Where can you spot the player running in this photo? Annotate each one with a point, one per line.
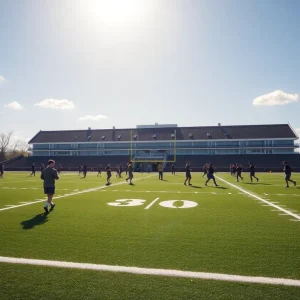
(288, 173)
(49, 175)
(210, 174)
(32, 169)
(252, 172)
(130, 173)
(239, 170)
(188, 173)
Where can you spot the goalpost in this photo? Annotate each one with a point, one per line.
(150, 155)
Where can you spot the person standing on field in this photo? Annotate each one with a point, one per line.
(49, 175)
(160, 171)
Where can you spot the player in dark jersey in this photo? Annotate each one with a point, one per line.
(99, 170)
(32, 169)
(108, 173)
(130, 173)
(210, 174)
(204, 170)
(188, 175)
(233, 170)
(288, 173)
(49, 176)
(160, 171)
(79, 169)
(252, 172)
(239, 170)
(1, 170)
(121, 169)
(173, 169)
(84, 170)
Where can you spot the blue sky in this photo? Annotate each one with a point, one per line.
(68, 64)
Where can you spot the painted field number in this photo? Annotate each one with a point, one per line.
(167, 203)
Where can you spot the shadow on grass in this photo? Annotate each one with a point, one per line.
(195, 187)
(36, 220)
(221, 187)
(257, 183)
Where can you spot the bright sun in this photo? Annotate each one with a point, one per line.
(114, 11)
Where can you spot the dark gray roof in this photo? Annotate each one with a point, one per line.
(182, 133)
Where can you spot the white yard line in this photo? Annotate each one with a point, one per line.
(147, 207)
(153, 272)
(261, 199)
(71, 194)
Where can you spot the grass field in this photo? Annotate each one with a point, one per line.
(244, 229)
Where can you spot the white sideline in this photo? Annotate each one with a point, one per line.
(71, 194)
(149, 271)
(261, 199)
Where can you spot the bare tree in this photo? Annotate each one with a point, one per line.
(4, 144)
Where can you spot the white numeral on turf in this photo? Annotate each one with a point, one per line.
(185, 204)
(127, 202)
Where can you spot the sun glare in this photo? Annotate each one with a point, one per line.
(114, 11)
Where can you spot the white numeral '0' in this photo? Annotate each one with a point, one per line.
(185, 204)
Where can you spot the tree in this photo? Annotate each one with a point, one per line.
(9, 149)
(4, 144)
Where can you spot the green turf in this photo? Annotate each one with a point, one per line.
(227, 232)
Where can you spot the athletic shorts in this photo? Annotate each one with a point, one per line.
(49, 190)
(252, 173)
(130, 174)
(287, 176)
(188, 175)
(210, 176)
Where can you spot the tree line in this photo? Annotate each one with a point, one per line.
(10, 148)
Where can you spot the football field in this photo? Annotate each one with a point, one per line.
(153, 240)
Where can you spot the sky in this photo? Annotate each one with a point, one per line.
(74, 64)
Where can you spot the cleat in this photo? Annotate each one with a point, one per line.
(206, 184)
(217, 185)
(295, 183)
(286, 186)
(52, 206)
(46, 210)
(257, 179)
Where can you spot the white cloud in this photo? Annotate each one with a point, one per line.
(2, 78)
(275, 98)
(14, 105)
(92, 118)
(62, 104)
